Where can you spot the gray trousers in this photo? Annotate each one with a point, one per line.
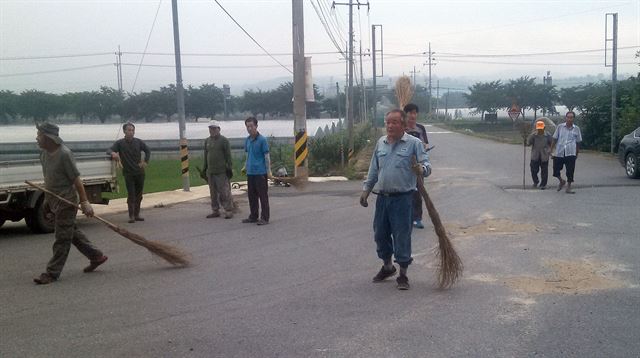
(66, 233)
(220, 192)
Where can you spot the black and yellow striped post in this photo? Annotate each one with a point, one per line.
(184, 157)
(301, 152)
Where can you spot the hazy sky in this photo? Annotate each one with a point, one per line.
(86, 27)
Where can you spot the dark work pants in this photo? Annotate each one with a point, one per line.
(392, 228)
(135, 186)
(417, 206)
(568, 162)
(257, 189)
(66, 234)
(543, 167)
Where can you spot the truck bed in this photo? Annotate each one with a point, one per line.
(94, 169)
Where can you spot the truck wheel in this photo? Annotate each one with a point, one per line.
(36, 220)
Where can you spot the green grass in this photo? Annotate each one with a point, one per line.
(165, 175)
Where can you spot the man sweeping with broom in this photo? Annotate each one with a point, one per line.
(61, 177)
(394, 173)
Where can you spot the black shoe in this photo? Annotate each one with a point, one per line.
(403, 282)
(543, 187)
(262, 222)
(249, 221)
(139, 218)
(535, 185)
(384, 274)
(93, 264)
(213, 215)
(44, 279)
(131, 220)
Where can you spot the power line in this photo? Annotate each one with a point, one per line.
(251, 37)
(533, 63)
(55, 56)
(228, 54)
(146, 46)
(327, 29)
(449, 54)
(56, 71)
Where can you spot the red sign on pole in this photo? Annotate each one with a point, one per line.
(514, 112)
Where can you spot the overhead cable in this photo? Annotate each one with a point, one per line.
(251, 37)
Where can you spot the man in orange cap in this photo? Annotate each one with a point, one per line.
(540, 143)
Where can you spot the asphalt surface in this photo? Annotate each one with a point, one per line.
(547, 274)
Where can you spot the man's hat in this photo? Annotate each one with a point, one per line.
(539, 125)
(214, 123)
(50, 130)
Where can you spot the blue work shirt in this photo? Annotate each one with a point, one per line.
(390, 168)
(256, 148)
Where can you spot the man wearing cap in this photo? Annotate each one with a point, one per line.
(540, 143)
(566, 138)
(218, 169)
(128, 152)
(61, 177)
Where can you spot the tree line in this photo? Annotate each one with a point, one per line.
(206, 100)
(592, 100)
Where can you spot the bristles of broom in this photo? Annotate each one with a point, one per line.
(450, 266)
(171, 254)
(404, 91)
(299, 182)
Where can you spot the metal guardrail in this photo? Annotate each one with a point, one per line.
(30, 150)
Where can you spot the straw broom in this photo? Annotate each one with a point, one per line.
(450, 266)
(171, 254)
(299, 182)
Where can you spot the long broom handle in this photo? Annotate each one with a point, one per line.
(431, 209)
(68, 202)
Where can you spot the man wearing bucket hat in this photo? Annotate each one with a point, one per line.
(540, 143)
(128, 152)
(218, 169)
(61, 176)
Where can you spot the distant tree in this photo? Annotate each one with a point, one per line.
(107, 102)
(521, 92)
(204, 101)
(39, 105)
(486, 97)
(8, 106)
(543, 97)
(255, 102)
(572, 97)
(331, 105)
(82, 104)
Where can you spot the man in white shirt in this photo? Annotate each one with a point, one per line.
(566, 139)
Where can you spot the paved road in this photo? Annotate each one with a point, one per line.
(547, 274)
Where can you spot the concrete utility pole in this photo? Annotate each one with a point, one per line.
(299, 103)
(119, 69)
(341, 135)
(429, 99)
(375, 76)
(349, 109)
(363, 93)
(413, 75)
(614, 73)
(184, 151)
(437, 97)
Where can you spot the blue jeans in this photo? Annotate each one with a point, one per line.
(392, 225)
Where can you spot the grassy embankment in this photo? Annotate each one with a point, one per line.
(164, 175)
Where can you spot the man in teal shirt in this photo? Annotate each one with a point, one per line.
(258, 170)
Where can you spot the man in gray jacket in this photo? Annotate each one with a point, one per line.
(540, 143)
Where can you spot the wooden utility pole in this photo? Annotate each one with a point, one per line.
(299, 104)
(184, 150)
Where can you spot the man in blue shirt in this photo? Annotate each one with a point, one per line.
(398, 160)
(258, 170)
